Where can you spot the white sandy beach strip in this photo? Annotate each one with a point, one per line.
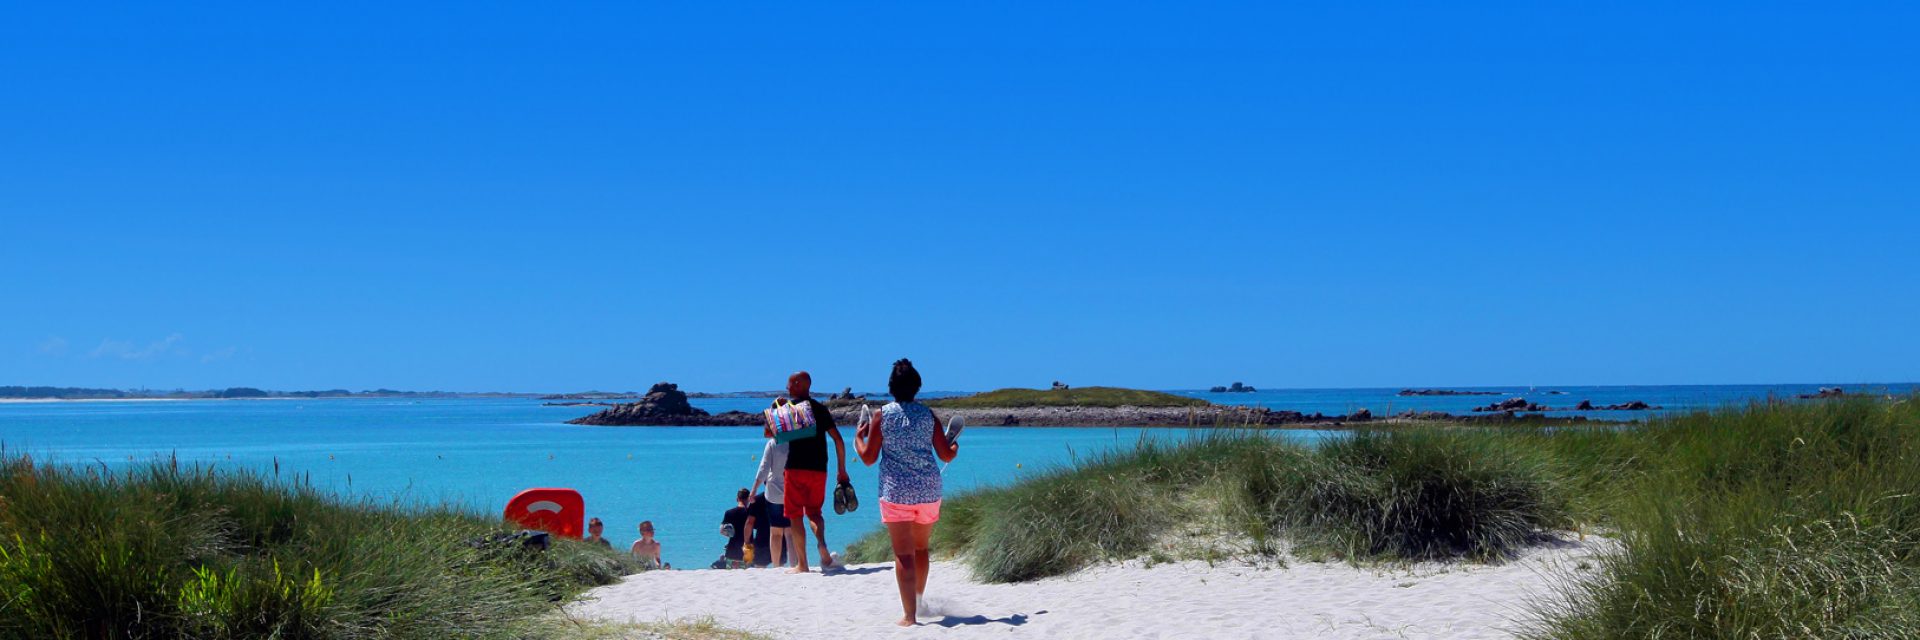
(1176, 600)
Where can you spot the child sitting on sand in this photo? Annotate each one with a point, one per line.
(646, 549)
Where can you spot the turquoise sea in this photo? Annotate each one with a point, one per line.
(479, 452)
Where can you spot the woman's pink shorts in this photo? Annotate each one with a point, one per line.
(928, 513)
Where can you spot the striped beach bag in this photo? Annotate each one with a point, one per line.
(791, 420)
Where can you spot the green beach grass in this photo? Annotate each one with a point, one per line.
(164, 551)
(1376, 495)
(1081, 397)
(1771, 520)
(1784, 520)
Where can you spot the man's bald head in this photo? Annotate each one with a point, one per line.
(799, 385)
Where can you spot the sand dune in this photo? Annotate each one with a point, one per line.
(1129, 600)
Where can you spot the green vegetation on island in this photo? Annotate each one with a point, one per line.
(162, 551)
(1773, 520)
(1077, 397)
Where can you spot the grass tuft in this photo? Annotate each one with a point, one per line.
(1385, 495)
(1776, 520)
(164, 551)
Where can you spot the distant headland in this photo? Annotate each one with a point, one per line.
(1060, 406)
(230, 393)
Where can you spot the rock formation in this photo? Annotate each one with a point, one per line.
(1515, 403)
(664, 405)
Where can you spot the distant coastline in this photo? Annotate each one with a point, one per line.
(665, 405)
(52, 394)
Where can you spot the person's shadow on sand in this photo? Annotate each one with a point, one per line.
(856, 572)
(1011, 621)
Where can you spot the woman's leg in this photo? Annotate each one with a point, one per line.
(904, 562)
(922, 556)
(777, 546)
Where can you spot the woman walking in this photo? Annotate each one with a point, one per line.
(905, 438)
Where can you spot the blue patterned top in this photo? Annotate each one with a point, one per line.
(909, 473)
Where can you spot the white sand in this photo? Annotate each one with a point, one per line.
(1177, 600)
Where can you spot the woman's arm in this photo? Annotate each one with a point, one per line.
(942, 447)
(867, 440)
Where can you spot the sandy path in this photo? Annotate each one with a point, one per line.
(1178, 600)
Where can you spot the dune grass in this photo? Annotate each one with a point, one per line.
(1080, 397)
(1784, 520)
(1766, 521)
(1375, 495)
(164, 551)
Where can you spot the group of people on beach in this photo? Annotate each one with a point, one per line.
(904, 437)
(768, 528)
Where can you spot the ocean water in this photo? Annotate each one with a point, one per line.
(1683, 398)
(479, 452)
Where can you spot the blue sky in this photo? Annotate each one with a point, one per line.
(513, 197)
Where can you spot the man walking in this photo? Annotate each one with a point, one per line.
(806, 475)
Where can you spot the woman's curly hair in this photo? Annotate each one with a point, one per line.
(904, 384)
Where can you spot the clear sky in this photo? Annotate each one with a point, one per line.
(521, 196)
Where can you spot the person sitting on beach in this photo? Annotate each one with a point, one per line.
(905, 437)
(594, 529)
(733, 525)
(646, 549)
(806, 475)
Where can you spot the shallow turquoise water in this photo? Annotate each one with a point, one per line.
(479, 453)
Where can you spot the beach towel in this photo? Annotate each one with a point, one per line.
(791, 421)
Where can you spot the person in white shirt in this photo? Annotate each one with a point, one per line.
(773, 466)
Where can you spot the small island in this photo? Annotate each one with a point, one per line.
(1445, 392)
(1236, 388)
(666, 405)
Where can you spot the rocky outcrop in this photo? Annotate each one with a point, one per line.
(1445, 392)
(664, 405)
(1060, 386)
(1236, 388)
(1522, 404)
(1515, 403)
(1824, 393)
(1502, 417)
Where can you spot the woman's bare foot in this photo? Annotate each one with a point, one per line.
(796, 570)
(907, 622)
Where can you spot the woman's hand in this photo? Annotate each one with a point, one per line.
(867, 439)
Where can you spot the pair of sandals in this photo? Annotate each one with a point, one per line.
(844, 501)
